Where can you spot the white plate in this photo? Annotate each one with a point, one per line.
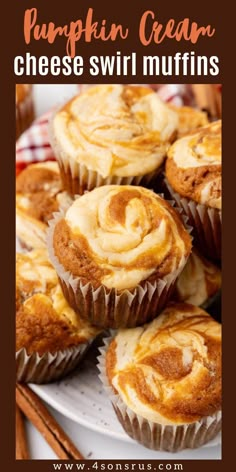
(80, 397)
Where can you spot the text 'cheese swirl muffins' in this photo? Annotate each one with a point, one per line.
(118, 251)
(194, 180)
(24, 107)
(112, 134)
(38, 195)
(164, 379)
(50, 337)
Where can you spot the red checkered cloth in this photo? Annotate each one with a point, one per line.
(33, 145)
(177, 94)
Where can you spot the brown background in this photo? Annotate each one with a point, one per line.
(12, 44)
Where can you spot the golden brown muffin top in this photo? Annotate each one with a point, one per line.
(119, 236)
(169, 371)
(193, 166)
(189, 119)
(37, 187)
(38, 195)
(115, 129)
(199, 280)
(44, 320)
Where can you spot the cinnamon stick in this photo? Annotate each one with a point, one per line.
(38, 414)
(21, 442)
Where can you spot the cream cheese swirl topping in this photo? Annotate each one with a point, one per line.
(38, 286)
(35, 269)
(128, 233)
(115, 130)
(193, 167)
(169, 371)
(201, 148)
(199, 280)
(189, 119)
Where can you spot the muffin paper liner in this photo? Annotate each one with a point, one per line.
(206, 223)
(77, 178)
(48, 367)
(171, 438)
(107, 308)
(24, 114)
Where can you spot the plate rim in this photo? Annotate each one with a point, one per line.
(122, 436)
(83, 422)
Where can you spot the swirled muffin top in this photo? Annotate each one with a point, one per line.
(119, 236)
(169, 371)
(22, 90)
(193, 166)
(199, 280)
(117, 130)
(190, 119)
(44, 320)
(38, 195)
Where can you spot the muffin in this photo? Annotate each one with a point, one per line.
(199, 282)
(190, 119)
(193, 177)
(50, 337)
(38, 195)
(112, 134)
(117, 251)
(164, 379)
(24, 108)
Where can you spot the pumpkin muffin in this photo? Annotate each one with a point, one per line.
(164, 379)
(118, 251)
(199, 282)
(50, 337)
(190, 119)
(38, 195)
(24, 108)
(112, 134)
(193, 175)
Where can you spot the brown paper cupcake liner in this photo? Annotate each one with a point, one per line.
(171, 438)
(206, 223)
(107, 308)
(77, 178)
(48, 367)
(24, 114)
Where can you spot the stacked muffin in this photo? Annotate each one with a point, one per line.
(24, 108)
(164, 379)
(193, 177)
(121, 253)
(50, 337)
(112, 134)
(38, 195)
